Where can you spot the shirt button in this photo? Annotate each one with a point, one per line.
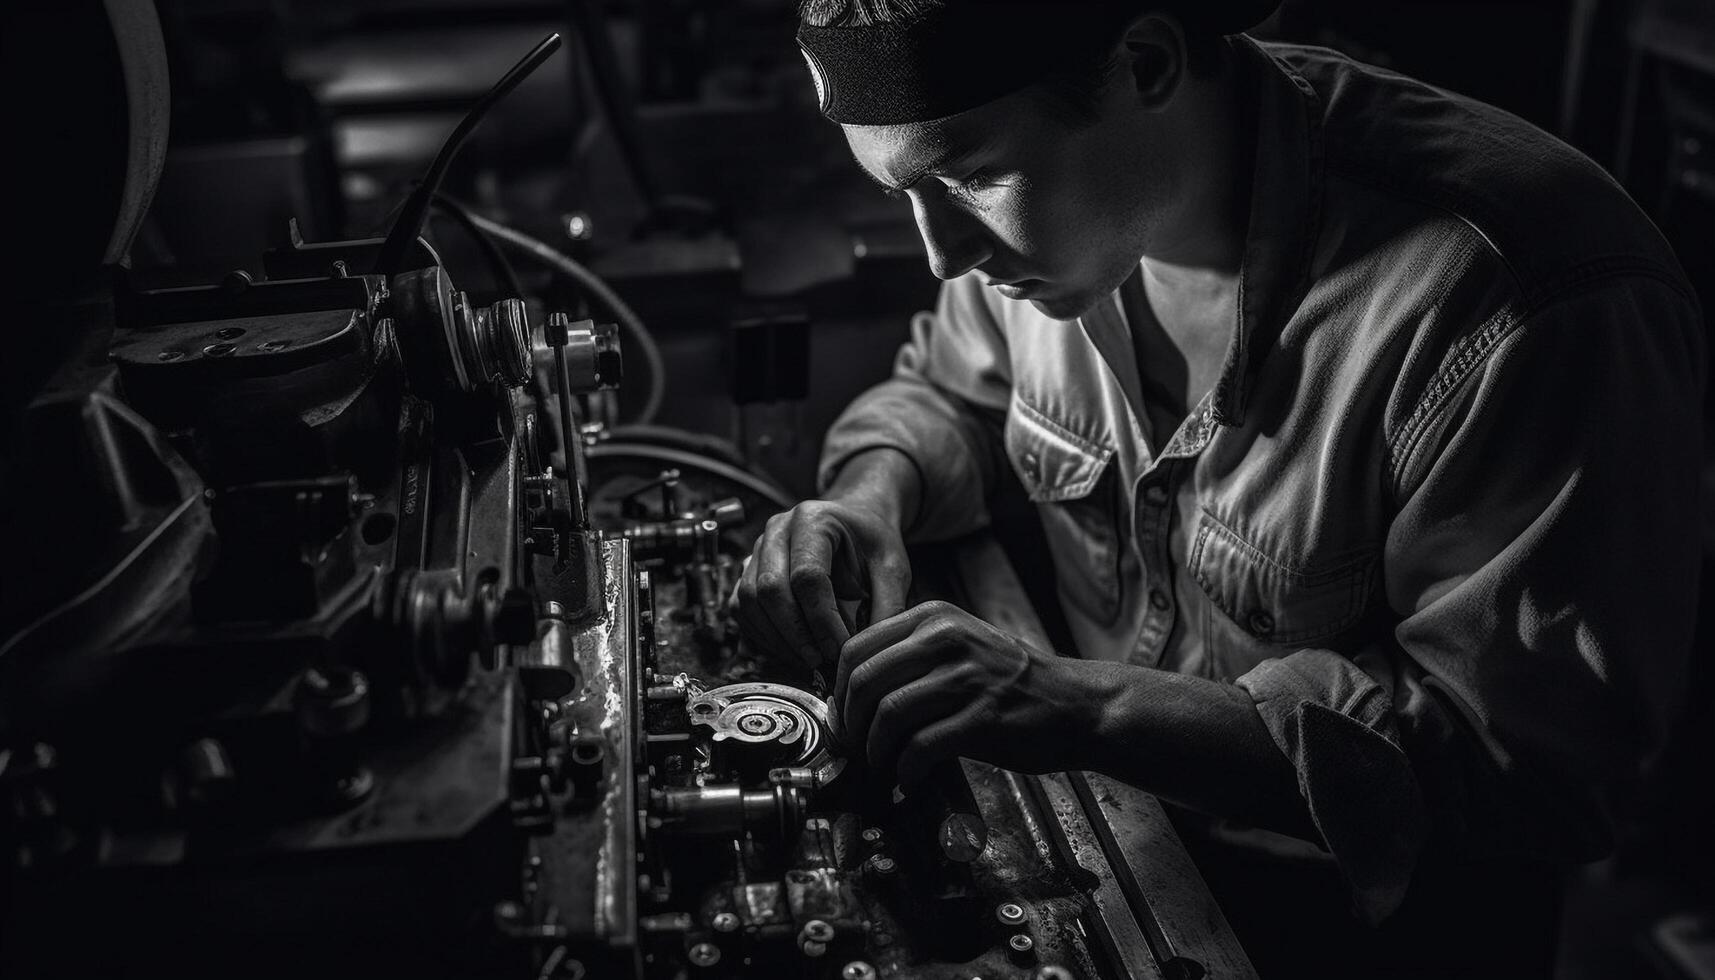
(1158, 599)
(1156, 495)
(1262, 624)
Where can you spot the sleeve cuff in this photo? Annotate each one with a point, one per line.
(1333, 722)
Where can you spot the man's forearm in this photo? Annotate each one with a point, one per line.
(1197, 742)
(883, 480)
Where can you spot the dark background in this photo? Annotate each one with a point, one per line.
(675, 147)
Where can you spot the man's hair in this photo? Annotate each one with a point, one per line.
(1078, 86)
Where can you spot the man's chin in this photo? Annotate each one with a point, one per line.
(1062, 307)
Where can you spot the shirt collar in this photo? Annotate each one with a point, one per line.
(1285, 210)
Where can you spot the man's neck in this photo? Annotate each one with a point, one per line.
(1206, 233)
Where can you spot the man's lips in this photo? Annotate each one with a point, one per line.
(1014, 288)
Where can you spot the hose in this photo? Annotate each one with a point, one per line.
(761, 486)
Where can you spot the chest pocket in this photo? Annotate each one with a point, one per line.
(1076, 494)
(1269, 602)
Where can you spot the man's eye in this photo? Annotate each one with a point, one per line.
(976, 180)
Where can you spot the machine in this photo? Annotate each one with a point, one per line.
(338, 641)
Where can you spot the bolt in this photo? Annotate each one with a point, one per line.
(883, 865)
(1010, 914)
(339, 270)
(871, 835)
(578, 227)
(725, 922)
(857, 970)
(704, 954)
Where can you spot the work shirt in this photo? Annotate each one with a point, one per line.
(1438, 514)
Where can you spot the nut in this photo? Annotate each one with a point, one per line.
(704, 954)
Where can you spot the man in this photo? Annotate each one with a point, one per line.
(1362, 420)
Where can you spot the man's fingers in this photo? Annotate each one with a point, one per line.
(773, 566)
(881, 674)
(935, 743)
(813, 550)
(900, 715)
(878, 637)
(751, 619)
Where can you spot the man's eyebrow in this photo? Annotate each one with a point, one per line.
(941, 161)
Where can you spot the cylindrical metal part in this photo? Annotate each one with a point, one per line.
(1021, 948)
(725, 809)
(507, 329)
(946, 798)
(205, 773)
(548, 667)
(332, 701)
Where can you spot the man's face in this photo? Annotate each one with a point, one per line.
(1041, 209)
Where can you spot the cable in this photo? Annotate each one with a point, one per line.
(410, 221)
(628, 319)
(505, 276)
(761, 486)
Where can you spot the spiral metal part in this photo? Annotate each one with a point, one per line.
(762, 727)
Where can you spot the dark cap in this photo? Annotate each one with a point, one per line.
(964, 53)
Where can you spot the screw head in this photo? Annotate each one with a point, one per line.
(1010, 913)
(270, 346)
(818, 931)
(857, 970)
(884, 865)
(219, 350)
(871, 834)
(1021, 943)
(725, 922)
(170, 355)
(704, 954)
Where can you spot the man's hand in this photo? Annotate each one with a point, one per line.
(808, 559)
(935, 682)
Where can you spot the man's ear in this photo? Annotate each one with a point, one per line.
(1156, 55)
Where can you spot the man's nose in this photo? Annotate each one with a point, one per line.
(954, 240)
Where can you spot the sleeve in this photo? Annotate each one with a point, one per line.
(943, 408)
(1542, 570)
